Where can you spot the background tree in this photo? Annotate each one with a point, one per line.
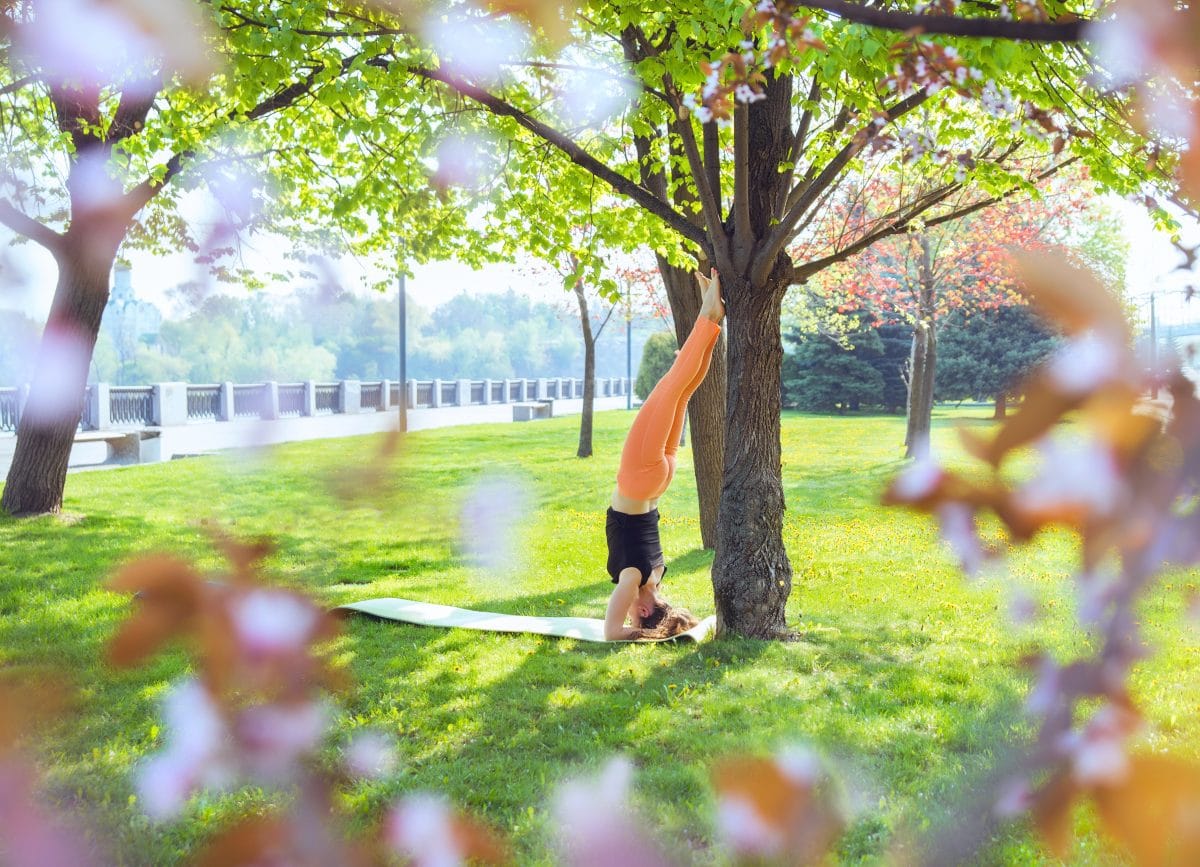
(737, 197)
(237, 98)
(657, 357)
(916, 279)
(988, 353)
(823, 375)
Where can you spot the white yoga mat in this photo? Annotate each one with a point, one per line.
(430, 614)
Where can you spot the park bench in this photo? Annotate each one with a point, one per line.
(125, 447)
(533, 410)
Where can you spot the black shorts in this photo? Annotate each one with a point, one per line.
(633, 541)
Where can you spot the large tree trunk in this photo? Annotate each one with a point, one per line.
(706, 409)
(589, 374)
(1001, 410)
(752, 577)
(38, 473)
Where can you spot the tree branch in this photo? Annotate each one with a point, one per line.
(138, 197)
(901, 225)
(25, 225)
(708, 204)
(572, 151)
(782, 232)
(133, 108)
(743, 233)
(712, 158)
(13, 87)
(951, 25)
(799, 141)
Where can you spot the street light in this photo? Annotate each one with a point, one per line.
(403, 352)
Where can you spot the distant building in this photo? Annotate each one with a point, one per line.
(126, 319)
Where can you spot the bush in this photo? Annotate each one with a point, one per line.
(657, 357)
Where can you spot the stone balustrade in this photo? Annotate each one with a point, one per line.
(164, 404)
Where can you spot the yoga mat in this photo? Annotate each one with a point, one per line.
(430, 614)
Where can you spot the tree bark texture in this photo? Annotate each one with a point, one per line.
(752, 577)
(589, 374)
(46, 431)
(706, 409)
(1001, 410)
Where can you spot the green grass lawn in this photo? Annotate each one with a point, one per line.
(903, 674)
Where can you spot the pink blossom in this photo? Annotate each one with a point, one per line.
(272, 621)
(421, 828)
(371, 755)
(1014, 799)
(1097, 753)
(1084, 364)
(745, 831)
(31, 836)
(918, 479)
(461, 161)
(597, 828)
(164, 783)
(58, 385)
(591, 97)
(275, 736)
(1074, 473)
(488, 522)
(1123, 47)
(1047, 690)
(477, 47)
(960, 533)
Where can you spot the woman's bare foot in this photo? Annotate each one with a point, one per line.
(711, 307)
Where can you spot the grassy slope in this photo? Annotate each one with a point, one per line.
(903, 673)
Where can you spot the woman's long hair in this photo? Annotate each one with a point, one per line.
(666, 621)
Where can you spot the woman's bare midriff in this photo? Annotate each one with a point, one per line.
(629, 506)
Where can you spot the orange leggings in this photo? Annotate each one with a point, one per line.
(648, 458)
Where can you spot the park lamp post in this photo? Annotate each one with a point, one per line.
(629, 345)
(403, 352)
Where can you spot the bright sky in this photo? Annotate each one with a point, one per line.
(27, 273)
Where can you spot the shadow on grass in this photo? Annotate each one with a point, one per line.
(695, 560)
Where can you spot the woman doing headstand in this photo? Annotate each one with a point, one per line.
(635, 555)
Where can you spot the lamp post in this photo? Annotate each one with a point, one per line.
(403, 360)
(629, 347)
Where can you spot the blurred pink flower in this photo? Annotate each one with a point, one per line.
(597, 827)
(273, 621)
(274, 737)
(57, 392)
(1084, 363)
(421, 828)
(370, 755)
(461, 161)
(477, 47)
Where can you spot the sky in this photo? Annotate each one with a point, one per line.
(27, 273)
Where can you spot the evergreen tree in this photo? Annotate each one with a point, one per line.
(987, 353)
(657, 357)
(823, 375)
(892, 362)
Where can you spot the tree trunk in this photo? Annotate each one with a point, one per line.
(752, 577)
(706, 409)
(589, 374)
(38, 473)
(1001, 405)
(923, 363)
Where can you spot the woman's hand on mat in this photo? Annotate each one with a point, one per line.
(711, 307)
